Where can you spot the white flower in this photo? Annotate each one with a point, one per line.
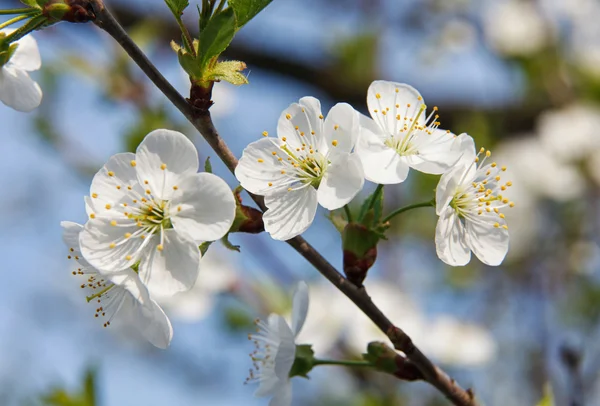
(123, 292)
(153, 207)
(276, 351)
(515, 27)
(401, 136)
(17, 89)
(217, 276)
(468, 203)
(571, 133)
(311, 161)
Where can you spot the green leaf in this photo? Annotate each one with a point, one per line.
(229, 71)
(246, 10)
(208, 165)
(177, 6)
(31, 3)
(204, 247)
(216, 36)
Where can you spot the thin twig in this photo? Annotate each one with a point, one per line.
(203, 123)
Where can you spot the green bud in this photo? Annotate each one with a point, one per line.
(57, 11)
(304, 361)
(387, 360)
(359, 244)
(229, 71)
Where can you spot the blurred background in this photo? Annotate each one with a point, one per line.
(521, 76)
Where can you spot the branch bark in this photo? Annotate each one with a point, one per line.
(203, 123)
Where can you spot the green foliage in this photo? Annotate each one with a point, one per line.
(229, 71)
(304, 362)
(246, 10)
(177, 6)
(33, 3)
(216, 36)
(371, 210)
(208, 165)
(86, 396)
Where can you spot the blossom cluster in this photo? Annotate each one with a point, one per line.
(317, 160)
(149, 212)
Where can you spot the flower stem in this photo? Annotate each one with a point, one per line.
(342, 363)
(28, 10)
(348, 214)
(376, 194)
(406, 208)
(32, 25)
(13, 21)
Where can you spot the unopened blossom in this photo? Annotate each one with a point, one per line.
(153, 208)
(401, 135)
(275, 351)
(469, 200)
(120, 293)
(310, 162)
(17, 89)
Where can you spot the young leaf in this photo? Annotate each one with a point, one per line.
(207, 165)
(216, 36)
(177, 6)
(246, 10)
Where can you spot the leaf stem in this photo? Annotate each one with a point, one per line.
(348, 213)
(342, 363)
(28, 10)
(13, 21)
(30, 26)
(406, 208)
(375, 196)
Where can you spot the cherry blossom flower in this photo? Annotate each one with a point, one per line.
(311, 162)
(121, 292)
(152, 207)
(401, 136)
(276, 350)
(468, 202)
(17, 89)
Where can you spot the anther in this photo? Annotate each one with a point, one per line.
(163, 166)
(288, 116)
(112, 245)
(111, 173)
(94, 195)
(133, 163)
(261, 160)
(265, 134)
(113, 223)
(108, 206)
(160, 247)
(334, 143)
(92, 216)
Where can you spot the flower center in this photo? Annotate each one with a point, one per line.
(403, 125)
(152, 216)
(482, 199)
(266, 344)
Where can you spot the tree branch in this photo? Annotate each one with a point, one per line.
(203, 123)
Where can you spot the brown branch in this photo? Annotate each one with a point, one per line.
(203, 123)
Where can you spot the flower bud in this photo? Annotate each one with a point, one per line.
(360, 251)
(247, 219)
(73, 11)
(385, 359)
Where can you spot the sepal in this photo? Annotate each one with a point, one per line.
(304, 361)
(386, 360)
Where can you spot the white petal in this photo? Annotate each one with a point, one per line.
(170, 150)
(394, 99)
(18, 90)
(312, 110)
(449, 183)
(343, 180)
(489, 243)
(70, 234)
(97, 239)
(115, 185)
(172, 270)
(286, 352)
(299, 307)
(381, 164)
(27, 55)
(290, 213)
(283, 396)
(341, 128)
(297, 124)
(437, 152)
(144, 313)
(268, 385)
(450, 239)
(254, 175)
(203, 207)
(467, 148)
